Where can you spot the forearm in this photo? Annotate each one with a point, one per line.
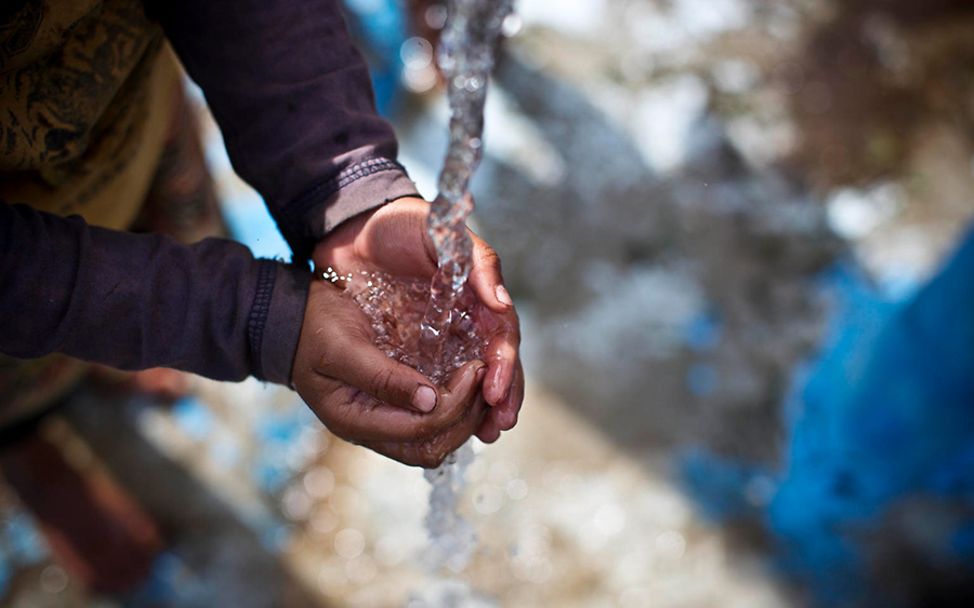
(293, 98)
(137, 301)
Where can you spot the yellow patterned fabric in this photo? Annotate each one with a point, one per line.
(87, 90)
(83, 117)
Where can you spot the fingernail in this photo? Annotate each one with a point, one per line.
(424, 399)
(502, 296)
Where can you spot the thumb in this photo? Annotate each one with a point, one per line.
(464, 384)
(363, 366)
(486, 278)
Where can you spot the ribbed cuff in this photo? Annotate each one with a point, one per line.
(369, 189)
(363, 186)
(276, 320)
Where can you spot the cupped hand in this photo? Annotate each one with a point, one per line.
(369, 399)
(393, 239)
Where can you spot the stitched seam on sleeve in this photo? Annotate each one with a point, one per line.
(258, 314)
(323, 190)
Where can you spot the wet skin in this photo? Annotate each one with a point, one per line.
(366, 398)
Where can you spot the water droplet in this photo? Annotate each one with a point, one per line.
(670, 544)
(512, 25)
(324, 520)
(296, 504)
(319, 482)
(416, 53)
(435, 16)
(517, 489)
(489, 499)
(54, 579)
(361, 570)
(349, 543)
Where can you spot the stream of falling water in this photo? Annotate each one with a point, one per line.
(466, 57)
(428, 325)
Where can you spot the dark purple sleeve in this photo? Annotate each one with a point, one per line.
(293, 98)
(136, 301)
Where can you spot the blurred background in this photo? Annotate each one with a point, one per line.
(736, 232)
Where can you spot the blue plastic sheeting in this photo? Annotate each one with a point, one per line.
(193, 417)
(380, 27)
(20, 545)
(880, 457)
(171, 583)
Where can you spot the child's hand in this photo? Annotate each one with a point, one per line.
(367, 398)
(393, 240)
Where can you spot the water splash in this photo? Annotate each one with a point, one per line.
(429, 326)
(395, 308)
(452, 537)
(466, 57)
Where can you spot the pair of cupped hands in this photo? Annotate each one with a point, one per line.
(363, 396)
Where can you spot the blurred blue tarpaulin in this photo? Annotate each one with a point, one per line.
(879, 465)
(380, 26)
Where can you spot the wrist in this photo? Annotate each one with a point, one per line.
(360, 188)
(276, 320)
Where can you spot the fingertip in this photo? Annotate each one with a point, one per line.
(515, 396)
(461, 385)
(498, 384)
(507, 419)
(487, 279)
(424, 399)
(362, 365)
(488, 433)
(503, 296)
(491, 292)
(490, 386)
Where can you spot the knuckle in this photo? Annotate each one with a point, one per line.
(428, 455)
(329, 356)
(490, 258)
(432, 460)
(383, 382)
(426, 429)
(441, 446)
(413, 455)
(408, 458)
(339, 418)
(339, 428)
